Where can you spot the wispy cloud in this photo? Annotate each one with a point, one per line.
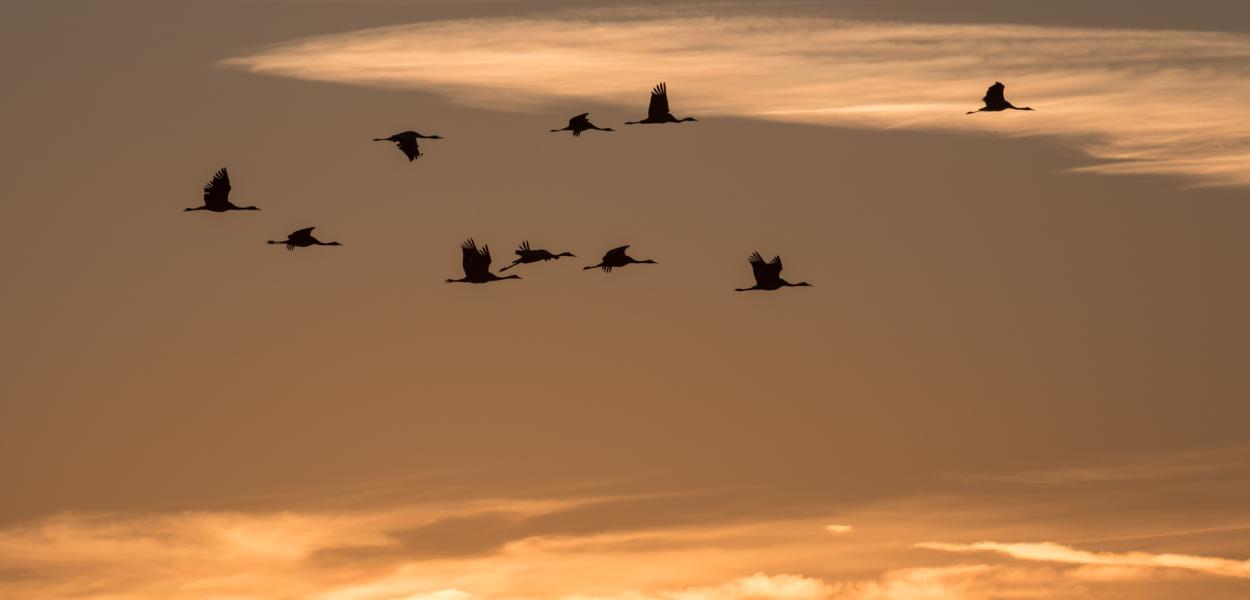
(1142, 102)
(1050, 552)
(281, 555)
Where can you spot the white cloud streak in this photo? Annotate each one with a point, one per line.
(1050, 552)
(1139, 102)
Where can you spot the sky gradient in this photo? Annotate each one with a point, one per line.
(1019, 372)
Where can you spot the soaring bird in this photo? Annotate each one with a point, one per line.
(407, 143)
(302, 238)
(616, 257)
(768, 275)
(217, 195)
(581, 123)
(476, 265)
(531, 256)
(657, 112)
(995, 102)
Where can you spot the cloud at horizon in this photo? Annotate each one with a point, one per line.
(242, 555)
(1138, 102)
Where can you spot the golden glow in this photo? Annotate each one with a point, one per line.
(1160, 102)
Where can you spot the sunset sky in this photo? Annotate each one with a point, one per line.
(1020, 371)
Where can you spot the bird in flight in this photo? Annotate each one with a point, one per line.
(995, 101)
(616, 257)
(302, 238)
(768, 275)
(476, 265)
(581, 123)
(657, 111)
(217, 195)
(407, 143)
(526, 256)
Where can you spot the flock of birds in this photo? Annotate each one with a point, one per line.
(476, 261)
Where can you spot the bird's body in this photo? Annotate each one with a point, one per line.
(406, 141)
(581, 123)
(476, 264)
(526, 255)
(615, 258)
(217, 195)
(657, 110)
(996, 101)
(302, 238)
(768, 275)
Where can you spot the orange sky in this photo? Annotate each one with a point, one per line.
(1019, 372)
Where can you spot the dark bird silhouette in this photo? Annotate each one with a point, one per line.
(616, 257)
(302, 238)
(532, 256)
(217, 195)
(476, 265)
(407, 143)
(657, 111)
(768, 275)
(995, 101)
(581, 123)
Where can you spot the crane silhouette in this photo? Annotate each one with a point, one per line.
(657, 111)
(302, 238)
(616, 257)
(217, 195)
(579, 124)
(476, 265)
(526, 256)
(406, 141)
(995, 101)
(768, 275)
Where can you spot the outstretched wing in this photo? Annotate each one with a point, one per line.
(408, 145)
(774, 267)
(659, 102)
(579, 121)
(523, 248)
(469, 257)
(301, 233)
(217, 191)
(484, 258)
(615, 253)
(759, 268)
(994, 95)
(474, 261)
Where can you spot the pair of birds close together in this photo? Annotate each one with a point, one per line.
(476, 263)
(217, 199)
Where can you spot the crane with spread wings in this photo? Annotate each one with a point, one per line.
(406, 141)
(768, 275)
(476, 264)
(217, 195)
(657, 111)
(995, 101)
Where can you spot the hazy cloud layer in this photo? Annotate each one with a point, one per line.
(183, 556)
(1161, 102)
